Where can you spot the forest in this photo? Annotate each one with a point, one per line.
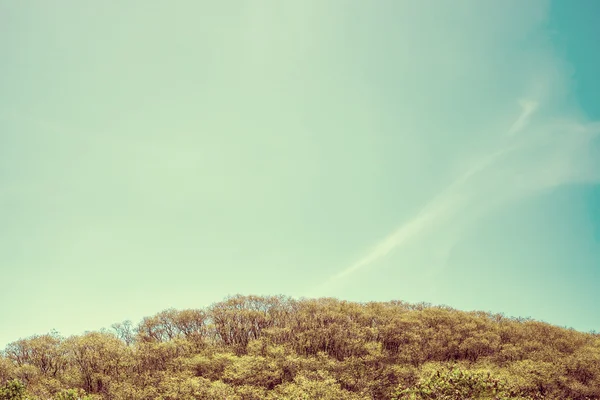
(252, 347)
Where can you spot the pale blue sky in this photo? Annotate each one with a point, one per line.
(170, 153)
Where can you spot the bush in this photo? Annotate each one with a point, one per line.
(13, 390)
(456, 384)
(72, 394)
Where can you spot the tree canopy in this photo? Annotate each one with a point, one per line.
(251, 347)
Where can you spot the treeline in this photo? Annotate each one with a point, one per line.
(250, 348)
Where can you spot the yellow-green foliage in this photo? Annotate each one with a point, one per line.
(250, 348)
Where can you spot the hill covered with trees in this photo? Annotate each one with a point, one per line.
(250, 348)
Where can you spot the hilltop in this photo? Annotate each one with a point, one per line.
(250, 347)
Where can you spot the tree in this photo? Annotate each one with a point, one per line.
(99, 358)
(44, 352)
(125, 331)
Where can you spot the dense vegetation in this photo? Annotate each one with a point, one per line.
(280, 348)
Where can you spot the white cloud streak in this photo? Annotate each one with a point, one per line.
(531, 159)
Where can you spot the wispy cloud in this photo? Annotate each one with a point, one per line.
(529, 158)
(528, 107)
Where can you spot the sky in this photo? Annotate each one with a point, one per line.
(169, 154)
